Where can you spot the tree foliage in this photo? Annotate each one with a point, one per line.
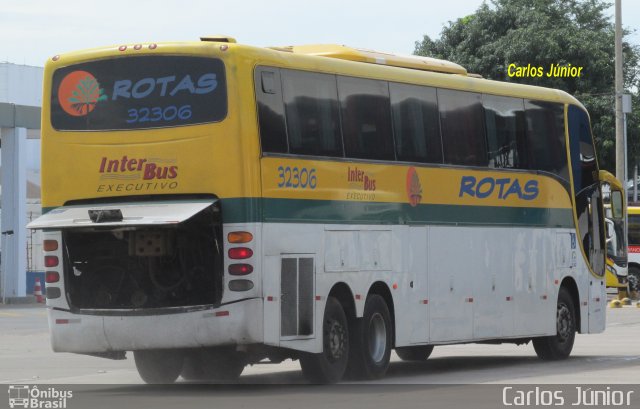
(544, 32)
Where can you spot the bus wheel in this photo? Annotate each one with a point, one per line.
(634, 281)
(213, 364)
(559, 346)
(417, 353)
(329, 365)
(161, 366)
(372, 340)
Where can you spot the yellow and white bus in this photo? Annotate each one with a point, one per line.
(615, 220)
(210, 205)
(634, 249)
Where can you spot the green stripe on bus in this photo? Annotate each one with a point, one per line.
(249, 210)
(348, 212)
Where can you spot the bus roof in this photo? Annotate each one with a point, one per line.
(336, 59)
(376, 57)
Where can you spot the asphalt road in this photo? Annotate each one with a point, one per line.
(610, 358)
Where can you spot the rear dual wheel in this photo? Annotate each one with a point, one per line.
(416, 353)
(372, 340)
(329, 366)
(159, 366)
(361, 347)
(213, 364)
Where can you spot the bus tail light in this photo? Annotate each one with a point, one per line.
(50, 245)
(240, 269)
(52, 277)
(238, 253)
(239, 237)
(51, 261)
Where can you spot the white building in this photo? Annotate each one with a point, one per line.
(20, 102)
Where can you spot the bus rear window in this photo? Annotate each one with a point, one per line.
(138, 92)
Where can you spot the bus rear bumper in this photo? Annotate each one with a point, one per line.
(237, 323)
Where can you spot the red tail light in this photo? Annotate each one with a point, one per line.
(52, 277)
(240, 253)
(51, 261)
(240, 269)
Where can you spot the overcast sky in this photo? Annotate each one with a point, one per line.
(33, 30)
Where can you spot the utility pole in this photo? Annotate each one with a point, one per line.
(620, 148)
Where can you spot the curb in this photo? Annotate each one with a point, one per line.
(29, 299)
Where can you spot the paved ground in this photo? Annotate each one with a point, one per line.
(607, 359)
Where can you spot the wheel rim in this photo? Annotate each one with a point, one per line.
(564, 322)
(377, 337)
(335, 339)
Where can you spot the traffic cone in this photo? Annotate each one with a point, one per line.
(37, 291)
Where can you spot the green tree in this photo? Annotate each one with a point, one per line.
(540, 33)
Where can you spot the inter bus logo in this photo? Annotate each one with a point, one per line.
(79, 93)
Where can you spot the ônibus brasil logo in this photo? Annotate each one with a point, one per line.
(79, 93)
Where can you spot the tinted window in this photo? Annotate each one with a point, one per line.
(415, 123)
(546, 146)
(311, 106)
(634, 229)
(461, 120)
(273, 134)
(504, 119)
(138, 92)
(366, 118)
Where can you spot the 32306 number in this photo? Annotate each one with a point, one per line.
(297, 178)
(157, 114)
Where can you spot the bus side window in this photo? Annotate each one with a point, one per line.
(505, 131)
(311, 106)
(273, 134)
(546, 146)
(634, 230)
(462, 123)
(366, 118)
(415, 123)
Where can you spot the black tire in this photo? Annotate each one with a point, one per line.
(213, 364)
(417, 353)
(559, 346)
(159, 366)
(634, 281)
(329, 366)
(371, 341)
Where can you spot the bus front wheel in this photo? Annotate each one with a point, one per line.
(158, 366)
(329, 366)
(634, 281)
(559, 346)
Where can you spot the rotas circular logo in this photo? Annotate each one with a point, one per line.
(79, 93)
